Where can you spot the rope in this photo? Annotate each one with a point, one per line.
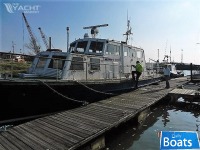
(83, 102)
(94, 89)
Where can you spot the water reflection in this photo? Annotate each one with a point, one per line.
(182, 116)
(165, 117)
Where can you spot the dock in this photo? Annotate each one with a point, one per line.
(187, 94)
(86, 125)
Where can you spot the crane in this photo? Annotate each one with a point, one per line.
(33, 39)
(44, 38)
(94, 30)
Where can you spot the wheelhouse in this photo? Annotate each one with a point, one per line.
(88, 59)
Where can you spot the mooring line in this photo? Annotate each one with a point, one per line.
(22, 119)
(94, 89)
(83, 102)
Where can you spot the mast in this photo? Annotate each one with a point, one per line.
(128, 32)
(181, 55)
(170, 54)
(67, 38)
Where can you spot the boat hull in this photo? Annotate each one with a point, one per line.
(32, 97)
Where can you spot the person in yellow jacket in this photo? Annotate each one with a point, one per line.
(136, 74)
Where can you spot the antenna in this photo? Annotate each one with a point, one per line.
(13, 47)
(128, 32)
(94, 30)
(181, 55)
(170, 54)
(67, 28)
(166, 46)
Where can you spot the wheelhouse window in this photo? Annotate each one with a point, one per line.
(126, 51)
(42, 61)
(133, 53)
(139, 54)
(57, 62)
(95, 64)
(77, 63)
(72, 47)
(81, 46)
(96, 47)
(112, 49)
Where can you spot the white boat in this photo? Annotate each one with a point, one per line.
(89, 58)
(195, 75)
(173, 71)
(158, 67)
(92, 69)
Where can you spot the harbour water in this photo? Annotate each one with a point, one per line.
(181, 116)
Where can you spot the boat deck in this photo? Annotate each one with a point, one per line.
(73, 128)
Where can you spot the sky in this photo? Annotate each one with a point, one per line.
(158, 26)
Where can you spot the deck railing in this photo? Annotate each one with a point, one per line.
(10, 68)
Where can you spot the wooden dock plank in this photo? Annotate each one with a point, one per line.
(99, 109)
(187, 94)
(47, 132)
(108, 111)
(87, 126)
(68, 130)
(42, 143)
(92, 118)
(73, 128)
(25, 139)
(118, 106)
(17, 142)
(122, 109)
(52, 144)
(96, 112)
(1, 147)
(183, 92)
(58, 131)
(95, 116)
(127, 104)
(6, 144)
(86, 120)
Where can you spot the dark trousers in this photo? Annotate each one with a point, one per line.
(167, 81)
(135, 76)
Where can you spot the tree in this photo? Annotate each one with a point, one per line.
(34, 49)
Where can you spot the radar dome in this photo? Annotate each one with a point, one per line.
(86, 35)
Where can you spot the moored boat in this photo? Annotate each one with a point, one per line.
(91, 69)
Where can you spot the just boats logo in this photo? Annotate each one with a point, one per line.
(179, 140)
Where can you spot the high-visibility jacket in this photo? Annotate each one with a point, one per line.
(139, 67)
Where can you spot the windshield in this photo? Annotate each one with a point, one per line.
(96, 47)
(81, 46)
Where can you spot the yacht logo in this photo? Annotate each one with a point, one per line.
(10, 7)
(13, 7)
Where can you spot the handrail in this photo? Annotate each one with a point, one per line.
(109, 69)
